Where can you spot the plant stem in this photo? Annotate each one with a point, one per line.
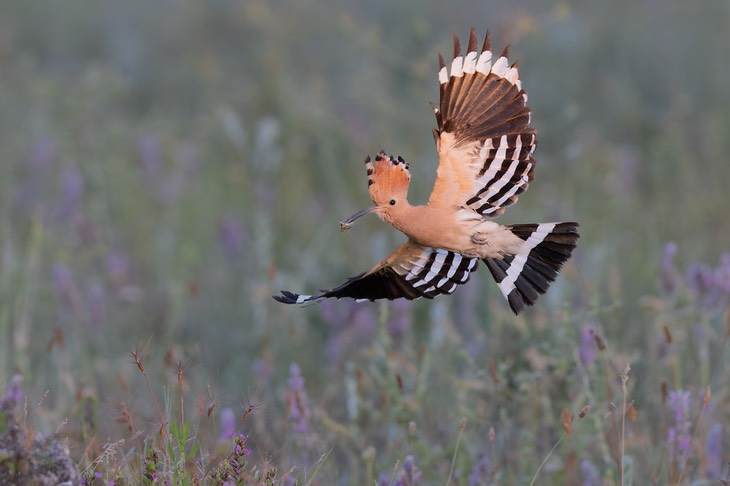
(537, 473)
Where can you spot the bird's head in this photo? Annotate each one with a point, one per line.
(388, 180)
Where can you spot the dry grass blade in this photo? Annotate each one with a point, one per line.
(625, 392)
(462, 426)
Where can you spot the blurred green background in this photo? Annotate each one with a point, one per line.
(165, 167)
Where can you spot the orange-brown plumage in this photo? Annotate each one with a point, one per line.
(485, 147)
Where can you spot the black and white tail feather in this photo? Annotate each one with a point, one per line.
(527, 274)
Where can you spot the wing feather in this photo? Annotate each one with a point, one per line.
(410, 272)
(484, 139)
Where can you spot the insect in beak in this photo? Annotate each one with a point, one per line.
(347, 224)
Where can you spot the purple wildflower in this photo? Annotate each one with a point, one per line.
(298, 401)
(408, 474)
(587, 348)
(14, 393)
(680, 400)
(669, 275)
(589, 472)
(337, 314)
(228, 423)
(151, 463)
(230, 470)
(290, 481)
(87, 480)
(239, 448)
(711, 285)
(117, 267)
(330, 312)
(679, 435)
(713, 448)
(400, 319)
(700, 278)
(482, 472)
(231, 238)
(412, 474)
(363, 321)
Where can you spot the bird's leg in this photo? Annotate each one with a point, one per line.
(480, 238)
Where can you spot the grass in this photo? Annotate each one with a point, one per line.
(165, 171)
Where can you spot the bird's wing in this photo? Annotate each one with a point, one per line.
(484, 140)
(410, 272)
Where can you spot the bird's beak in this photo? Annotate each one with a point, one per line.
(347, 224)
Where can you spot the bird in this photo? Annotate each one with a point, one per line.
(485, 146)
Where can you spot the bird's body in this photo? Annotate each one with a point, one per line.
(455, 229)
(485, 147)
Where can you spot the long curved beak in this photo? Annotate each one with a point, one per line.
(347, 224)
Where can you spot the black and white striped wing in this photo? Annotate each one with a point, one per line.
(410, 272)
(484, 140)
(434, 271)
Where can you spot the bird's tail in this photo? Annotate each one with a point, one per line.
(522, 277)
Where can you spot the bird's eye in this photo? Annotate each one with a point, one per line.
(392, 202)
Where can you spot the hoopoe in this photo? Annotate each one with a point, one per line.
(485, 146)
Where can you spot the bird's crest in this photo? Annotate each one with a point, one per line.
(387, 175)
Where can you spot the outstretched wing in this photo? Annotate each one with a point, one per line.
(484, 140)
(410, 272)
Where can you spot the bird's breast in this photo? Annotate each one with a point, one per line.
(436, 227)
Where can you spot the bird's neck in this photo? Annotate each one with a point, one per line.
(402, 217)
(420, 223)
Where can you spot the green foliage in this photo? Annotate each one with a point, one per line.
(180, 453)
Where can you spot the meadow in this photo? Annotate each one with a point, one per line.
(166, 167)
